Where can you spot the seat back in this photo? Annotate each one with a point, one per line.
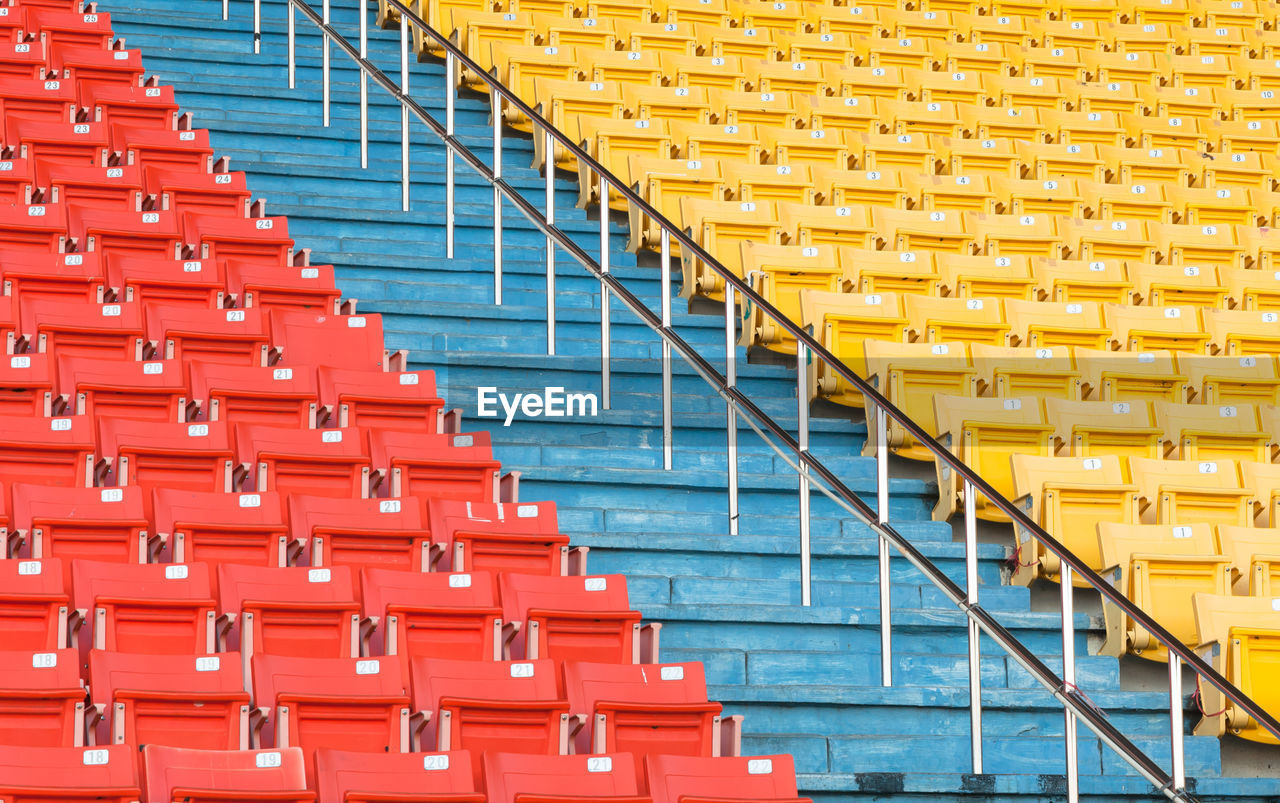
(92, 523)
(1191, 491)
(359, 533)
(513, 777)
(449, 466)
(344, 341)
(346, 777)
(103, 774)
(396, 400)
(299, 611)
(571, 618)
(217, 528)
(326, 462)
(498, 537)
(684, 779)
(33, 604)
(41, 698)
(433, 614)
(247, 394)
(204, 776)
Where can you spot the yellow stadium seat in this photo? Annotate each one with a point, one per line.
(920, 117)
(436, 14)
(1196, 102)
(888, 151)
(1168, 12)
(1085, 11)
(893, 52)
(1093, 240)
(666, 102)
(1130, 376)
(1145, 201)
(1159, 568)
(566, 104)
(1008, 372)
(1055, 61)
(720, 227)
(985, 434)
(1265, 211)
(843, 323)
(904, 230)
(986, 122)
(811, 146)
(709, 12)
(903, 272)
(958, 193)
(1066, 280)
(1068, 497)
(779, 273)
(768, 182)
(1047, 324)
(1241, 13)
(1162, 285)
(996, 27)
(856, 114)
(585, 32)
(1210, 41)
(612, 143)
(992, 157)
(1190, 492)
(1042, 93)
(1208, 244)
(701, 142)
(1146, 165)
(1269, 415)
(1262, 247)
(1054, 196)
(1131, 65)
(1010, 235)
(1250, 379)
(941, 320)
(1073, 160)
(823, 48)
(1120, 429)
(1210, 431)
(954, 6)
(1080, 128)
(1243, 137)
(1067, 32)
(476, 32)
(1096, 96)
(626, 66)
(1201, 71)
(909, 375)
(931, 25)
(710, 72)
(804, 224)
(665, 37)
(876, 82)
(769, 15)
(1251, 290)
(850, 20)
(853, 187)
(804, 77)
(616, 10)
(749, 43)
(543, 8)
(1237, 333)
(759, 108)
(1238, 636)
(1264, 480)
(970, 59)
(1258, 73)
(1153, 328)
(663, 183)
(1129, 37)
(1247, 170)
(521, 66)
(1249, 104)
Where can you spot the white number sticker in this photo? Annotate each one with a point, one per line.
(263, 224)
(112, 495)
(760, 766)
(176, 571)
(27, 568)
(1013, 404)
(20, 361)
(331, 436)
(599, 764)
(435, 763)
(235, 316)
(368, 667)
(250, 500)
(1120, 408)
(1207, 467)
(60, 424)
(208, 663)
(522, 670)
(1091, 464)
(459, 581)
(595, 584)
(1182, 532)
(356, 322)
(319, 576)
(672, 673)
(197, 430)
(96, 758)
(269, 760)
(44, 660)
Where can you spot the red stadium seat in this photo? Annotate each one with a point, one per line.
(173, 700)
(190, 190)
(301, 612)
(574, 619)
(32, 98)
(684, 779)
(60, 277)
(361, 532)
(149, 106)
(31, 774)
(231, 336)
(405, 401)
(106, 524)
(222, 236)
(346, 777)
(342, 341)
(425, 464)
(185, 150)
(518, 778)
(145, 234)
(83, 144)
(284, 287)
(193, 282)
(432, 615)
(47, 451)
(218, 528)
(252, 394)
(26, 386)
(511, 706)
(70, 28)
(322, 462)
(102, 331)
(41, 699)
(39, 227)
(155, 390)
(34, 605)
(93, 67)
(358, 704)
(152, 455)
(18, 59)
(17, 180)
(218, 776)
(164, 609)
(498, 537)
(645, 709)
(114, 189)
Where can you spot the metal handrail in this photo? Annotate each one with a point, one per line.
(1064, 690)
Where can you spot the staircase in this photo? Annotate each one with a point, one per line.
(807, 679)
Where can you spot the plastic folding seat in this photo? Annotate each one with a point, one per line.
(1215, 13)
(930, 25)
(70, 28)
(29, 275)
(843, 322)
(341, 341)
(93, 68)
(1257, 73)
(858, 188)
(1246, 171)
(939, 320)
(1103, 428)
(48, 451)
(1222, 40)
(985, 433)
(1071, 30)
(41, 699)
(765, 779)
(956, 193)
(1262, 247)
(225, 336)
(1201, 71)
(107, 774)
(749, 44)
(1203, 245)
(714, 12)
(753, 108)
(1008, 372)
(156, 609)
(1102, 240)
(253, 394)
(495, 537)
(711, 72)
(912, 152)
(403, 401)
(996, 124)
(909, 375)
(768, 182)
(1042, 93)
(1097, 128)
(825, 48)
(223, 236)
(904, 52)
(140, 390)
(839, 115)
(1118, 67)
(1129, 202)
(1173, 12)
(1189, 491)
(481, 706)
(574, 618)
(861, 20)
(1254, 556)
(992, 157)
(19, 184)
(151, 454)
(284, 287)
(664, 37)
(939, 231)
(1117, 376)
(360, 532)
(192, 191)
(1238, 636)
(34, 605)
(1012, 235)
(1055, 61)
(907, 272)
(206, 776)
(108, 188)
(1055, 196)
(802, 77)
(41, 228)
(1068, 497)
(82, 144)
(477, 31)
(145, 234)
(173, 700)
(1138, 38)
(1211, 432)
(1231, 380)
(1176, 328)
(325, 462)
(963, 276)
(938, 117)
(582, 33)
(514, 777)
(1187, 103)
(1042, 161)
(521, 66)
(136, 105)
(343, 777)
(798, 148)
(197, 283)
(1159, 568)
(616, 10)
(720, 227)
(767, 15)
(30, 98)
(1238, 333)
(665, 184)
(612, 143)
(970, 60)
(424, 464)
(1113, 96)
(187, 150)
(705, 143)
(869, 82)
(217, 528)
(779, 273)
(20, 60)
(1188, 285)
(650, 102)
(1006, 27)
(1146, 165)
(1165, 132)
(72, 523)
(804, 224)
(1251, 289)
(959, 87)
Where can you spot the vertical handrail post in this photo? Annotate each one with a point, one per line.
(257, 25)
(324, 64)
(1069, 683)
(731, 413)
(550, 144)
(364, 87)
(668, 446)
(882, 545)
(1179, 771)
(450, 90)
(495, 103)
(802, 440)
(606, 379)
(292, 35)
(971, 597)
(404, 113)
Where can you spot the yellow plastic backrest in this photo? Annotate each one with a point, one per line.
(956, 412)
(1067, 416)
(1031, 473)
(1176, 419)
(1026, 315)
(1150, 475)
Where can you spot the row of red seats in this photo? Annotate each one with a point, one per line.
(110, 775)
